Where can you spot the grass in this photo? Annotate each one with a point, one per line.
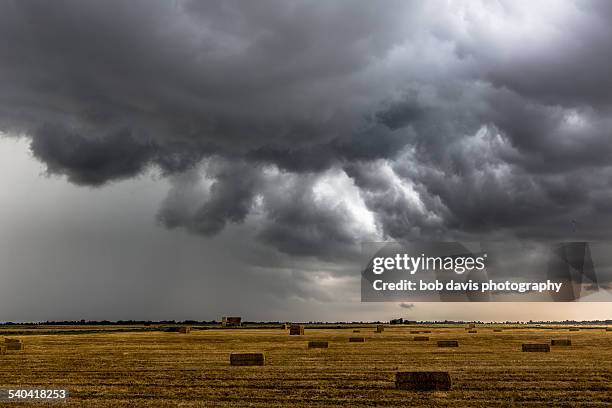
(152, 369)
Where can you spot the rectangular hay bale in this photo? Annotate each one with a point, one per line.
(11, 340)
(421, 338)
(448, 343)
(472, 331)
(497, 330)
(414, 331)
(247, 359)
(356, 339)
(184, 329)
(423, 381)
(380, 328)
(536, 347)
(574, 329)
(14, 346)
(296, 330)
(318, 344)
(356, 331)
(560, 342)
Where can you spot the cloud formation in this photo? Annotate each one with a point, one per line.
(436, 120)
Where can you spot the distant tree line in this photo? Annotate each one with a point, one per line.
(84, 322)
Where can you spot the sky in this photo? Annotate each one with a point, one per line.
(188, 160)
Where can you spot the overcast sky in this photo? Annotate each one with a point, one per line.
(187, 160)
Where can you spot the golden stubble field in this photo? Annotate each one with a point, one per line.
(157, 369)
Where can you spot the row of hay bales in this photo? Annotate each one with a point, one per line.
(413, 380)
(528, 347)
(404, 380)
(572, 329)
(441, 380)
(298, 329)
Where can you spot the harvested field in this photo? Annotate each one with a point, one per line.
(158, 369)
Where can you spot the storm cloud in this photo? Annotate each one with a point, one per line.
(324, 124)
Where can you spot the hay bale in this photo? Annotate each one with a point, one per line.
(296, 330)
(609, 329)
(560, 342)
(472, 331)
(17, 346)
(536, 348)
(497, 330)
(184, 329)
(247, 359)
(414, 331)
(421, 338)
(11, 340)
(448, 343)
(380, 328)
(356, 339)
(574, 329)
(425, 331)
(423, 381)
(318, 344)
(356, 331)
(2, 350)
(471, 326)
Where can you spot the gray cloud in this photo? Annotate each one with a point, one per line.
(448, 120)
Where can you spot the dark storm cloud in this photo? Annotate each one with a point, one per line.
(230, 200)
(298, 224)
(90, 161)
(456, 118)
